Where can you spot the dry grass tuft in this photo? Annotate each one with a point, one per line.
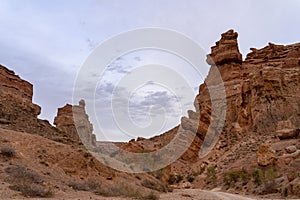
(7, 151)
(27, 182)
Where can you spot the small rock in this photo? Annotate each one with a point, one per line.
(291, 149)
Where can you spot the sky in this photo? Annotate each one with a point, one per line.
(47, 41)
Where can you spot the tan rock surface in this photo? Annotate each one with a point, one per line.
(18, 112)
(74, 122)
(265, 155)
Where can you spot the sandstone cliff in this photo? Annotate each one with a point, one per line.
(17, 112)
(262, 108)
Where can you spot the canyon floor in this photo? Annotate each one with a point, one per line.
(178, 194)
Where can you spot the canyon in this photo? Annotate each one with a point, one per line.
(244, 132)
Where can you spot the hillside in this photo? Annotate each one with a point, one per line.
(39, 160)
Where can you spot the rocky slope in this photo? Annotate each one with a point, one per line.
(39, 160)
(258, 150)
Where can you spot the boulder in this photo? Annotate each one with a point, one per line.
(265, 155)
(291, 149)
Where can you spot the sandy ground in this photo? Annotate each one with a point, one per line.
(197, 194)
(179, 194)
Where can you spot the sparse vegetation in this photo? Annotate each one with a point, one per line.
(258, 176)
(151, 196)
(190, 178)
(145, 151)
(211, 176)
(270, 175)
(27, 182)
(231, 178)
(118, 189)
(202, 169)
(179, 178)
(33, 189)
(7, 151)
(154, 185)
(79, 186)
(174, 179)
(158, 174)
(266, 178)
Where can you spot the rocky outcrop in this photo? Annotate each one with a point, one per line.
(265, 155)
(73, 121)
(20, 91)
(226, 50)
(18, 112)
(262, 95)
(286, 130)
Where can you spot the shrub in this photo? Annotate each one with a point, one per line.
(171, 179)
(174, 179)
(231, 178)
(258, 177)
(151, 196)
(79, 186)
(211, 176)
(179, 178)
(28, 188)
(270, 175)
(158, 174)
(8, 151)
(265, 177)
(154, 185)
(190, 178)
(202, 169)
(120, 189)
(19, 173)
(27, 182)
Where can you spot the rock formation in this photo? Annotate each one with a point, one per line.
(262, 106)
(73, 121)
(17, 112)
(265, 155)
(226, 50)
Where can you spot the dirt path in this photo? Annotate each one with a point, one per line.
(196, 194)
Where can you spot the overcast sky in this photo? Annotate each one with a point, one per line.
(47, 41)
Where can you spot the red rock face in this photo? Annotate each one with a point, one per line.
(262, 105)
(226, 50)
(74, 122)
(17, 112)
(21, 91)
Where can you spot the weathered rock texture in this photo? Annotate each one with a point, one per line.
(262, 106)
(17, 112)
(265, 155)
(73, 121)
(226, 50)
